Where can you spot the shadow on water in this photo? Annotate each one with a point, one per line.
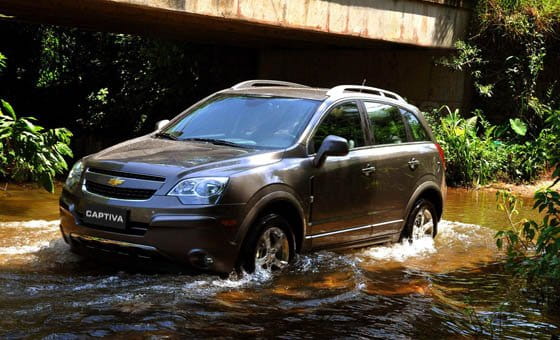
(453, 286)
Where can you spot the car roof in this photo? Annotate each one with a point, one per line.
(263, 87)
(282, 91)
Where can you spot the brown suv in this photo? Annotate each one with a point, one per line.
(256, 173)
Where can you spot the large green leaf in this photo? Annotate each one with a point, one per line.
(518, 126)
(30, 126)
(8, 108)
(64, 149)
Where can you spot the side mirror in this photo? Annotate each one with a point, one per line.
(161, 124)
(331, 146)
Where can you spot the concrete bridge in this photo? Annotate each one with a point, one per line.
(391, 43)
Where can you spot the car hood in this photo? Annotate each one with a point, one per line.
(154, 155)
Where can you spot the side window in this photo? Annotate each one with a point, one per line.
(344, 121)
(386, 122)
(416, 129)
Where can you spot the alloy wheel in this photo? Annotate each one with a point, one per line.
(273, 250)
(423, 224)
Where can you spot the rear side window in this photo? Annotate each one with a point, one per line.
(344, 121)
(386, 123)
(417, 131)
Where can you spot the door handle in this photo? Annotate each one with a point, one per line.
(368, 170)
(413, 163)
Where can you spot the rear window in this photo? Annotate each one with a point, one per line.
(417, 131)
(386, 122)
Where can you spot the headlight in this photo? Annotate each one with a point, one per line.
(75, 175)
(203, 190)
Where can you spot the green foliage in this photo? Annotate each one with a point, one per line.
(518, 126)
(519, 16)
(533, 247)
(478, 152)
(511, 54)
(472, 156)
(2, 61)
(523, 162)
(469, 58)
(30, 152)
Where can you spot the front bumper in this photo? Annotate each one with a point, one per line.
(158, 228)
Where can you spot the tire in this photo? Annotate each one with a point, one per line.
(415, 227)
(275, 255)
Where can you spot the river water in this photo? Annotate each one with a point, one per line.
(453, 287)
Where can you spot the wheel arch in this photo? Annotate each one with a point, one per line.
(279, 199)
(427, 190)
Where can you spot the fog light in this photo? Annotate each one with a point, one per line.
(200, 259)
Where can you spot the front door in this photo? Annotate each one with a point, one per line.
(342, 191)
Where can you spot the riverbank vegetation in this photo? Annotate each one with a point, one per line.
(478, 152)
(533, 246)
(512, 55)
(104, 87)
(29, 152)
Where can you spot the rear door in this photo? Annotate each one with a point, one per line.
(398, 164)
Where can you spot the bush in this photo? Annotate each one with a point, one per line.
(533, 247)
(478, 152)
(512, 53)
(28, 152)
(473, 157)
(523, 162)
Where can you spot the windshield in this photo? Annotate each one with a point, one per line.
(246, 121)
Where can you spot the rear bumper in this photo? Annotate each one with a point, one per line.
(194, 240)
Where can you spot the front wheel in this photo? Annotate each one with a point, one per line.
(270, 247)
(421, 222)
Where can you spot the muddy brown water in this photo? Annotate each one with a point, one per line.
(453, 287)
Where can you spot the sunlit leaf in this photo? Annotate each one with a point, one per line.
(518, 126)
(7, 108)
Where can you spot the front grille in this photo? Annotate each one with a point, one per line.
(115, 192)
(126, 174)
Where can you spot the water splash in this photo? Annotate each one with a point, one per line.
(450, 235)
(53, 224)
(23, 249)
(401, 251)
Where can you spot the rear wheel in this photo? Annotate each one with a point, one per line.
(421, 222)
(271, 246)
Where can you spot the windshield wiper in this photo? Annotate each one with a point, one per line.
(217, 142)
(166, 135)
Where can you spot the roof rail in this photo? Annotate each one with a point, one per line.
(263, 82)
(364, 89)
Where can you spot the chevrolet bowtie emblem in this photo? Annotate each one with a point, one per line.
(115, 181)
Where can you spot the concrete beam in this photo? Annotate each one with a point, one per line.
(426, 23)
(410, 72)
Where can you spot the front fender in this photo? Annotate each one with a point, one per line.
(267, 195)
